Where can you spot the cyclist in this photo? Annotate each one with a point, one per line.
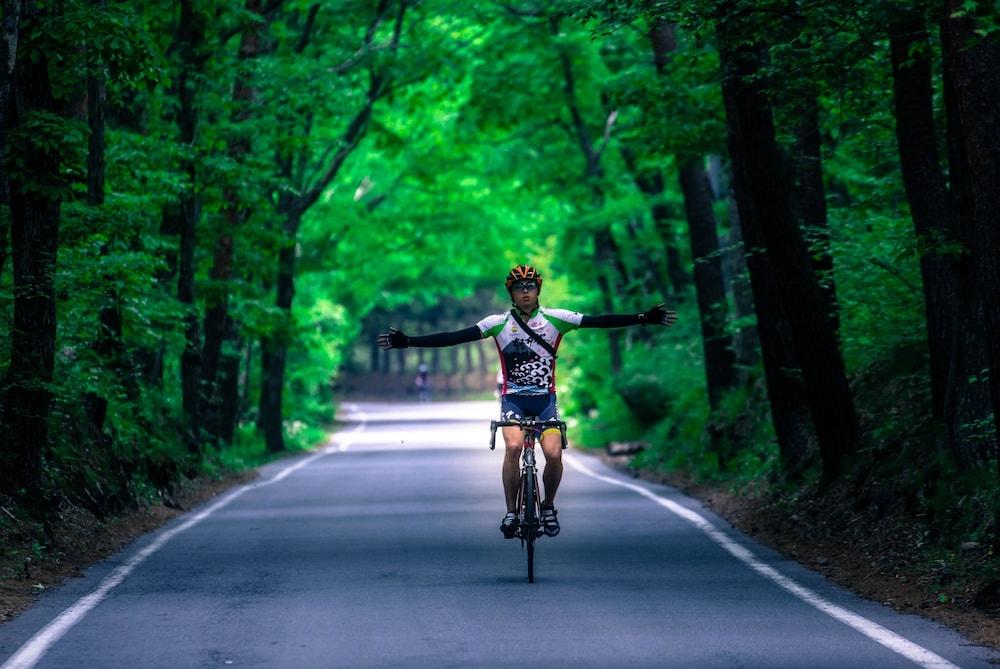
(528, 363)
(423, 383)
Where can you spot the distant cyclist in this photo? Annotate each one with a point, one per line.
(423, 383)
(527, 338)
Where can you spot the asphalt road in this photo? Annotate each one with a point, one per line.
(383, 550)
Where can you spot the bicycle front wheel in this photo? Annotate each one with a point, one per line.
(529, 520)
(531, 558)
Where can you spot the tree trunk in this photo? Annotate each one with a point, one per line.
(746, 343)
(35, 218)
(272, 377)
(373, 353)
(603, 249)
(108, 345)
(229, 389)
(663, 38)
(217, 311)
(710, 289)
(190, 37)
(972, 97)
(9, 31)
(275, 347)
(810, 199)
(758, 173)
(786, 390)
(935, 225)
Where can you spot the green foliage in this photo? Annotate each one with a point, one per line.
(475, 158)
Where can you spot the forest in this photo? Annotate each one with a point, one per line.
(210, 209)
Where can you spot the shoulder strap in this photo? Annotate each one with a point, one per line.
(534, 335)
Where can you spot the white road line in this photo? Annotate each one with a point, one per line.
(894, 642)
(35, 648)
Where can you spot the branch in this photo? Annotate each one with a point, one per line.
(612, 117)
(300, 46)
(896, 273)
(355, 129)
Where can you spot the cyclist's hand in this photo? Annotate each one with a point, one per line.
(393, 339)
(659, 316)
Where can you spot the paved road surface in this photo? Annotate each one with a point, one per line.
(383, 550)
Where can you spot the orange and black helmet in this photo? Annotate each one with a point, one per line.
(523, 273)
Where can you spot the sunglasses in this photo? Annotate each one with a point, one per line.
(524, 285)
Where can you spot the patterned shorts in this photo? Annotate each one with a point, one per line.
(519, 407)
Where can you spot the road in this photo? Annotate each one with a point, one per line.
(383, 550)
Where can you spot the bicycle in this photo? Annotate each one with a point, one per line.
(529, 503)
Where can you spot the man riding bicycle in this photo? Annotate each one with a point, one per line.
(527, 338)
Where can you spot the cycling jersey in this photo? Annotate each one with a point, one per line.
(528, 369)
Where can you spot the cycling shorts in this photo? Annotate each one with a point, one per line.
(519, 407)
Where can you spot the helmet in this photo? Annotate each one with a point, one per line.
(523, 273)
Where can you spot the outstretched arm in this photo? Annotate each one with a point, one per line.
(396, 339)
(655, 316)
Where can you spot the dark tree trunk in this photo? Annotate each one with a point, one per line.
(229, 389)
(810, 199)
(663, 38)
(758, 173)
(108, 345)
(9, 31)
(191, 34)
(786, 390)
(926, 189)
(217, 311)
(34, 243)
(972, 96)
(708, 283)
(373, 352)
(603, 250)
(946, 303)
(746, 343)
(275, 347)
(272, 376)
(469, 367)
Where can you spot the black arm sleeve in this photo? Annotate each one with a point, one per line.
(610, 321)
(439, 339)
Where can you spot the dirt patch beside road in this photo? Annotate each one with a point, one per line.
(28, 569)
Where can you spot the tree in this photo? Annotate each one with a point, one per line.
(698, 205)
(971, 52)
(36, 191)
(309, 183)
(767, 219)
(218, 374)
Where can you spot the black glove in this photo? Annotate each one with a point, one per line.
(658, 316)
(393, 339)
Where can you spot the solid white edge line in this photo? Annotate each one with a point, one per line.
(885, 637)
(28, 655)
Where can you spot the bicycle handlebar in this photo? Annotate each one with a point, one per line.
(527, 424)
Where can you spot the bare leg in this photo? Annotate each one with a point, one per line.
(552, 475)
(514, 438)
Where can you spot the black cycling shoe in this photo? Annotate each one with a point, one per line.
(509, 526)
(550, 524)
